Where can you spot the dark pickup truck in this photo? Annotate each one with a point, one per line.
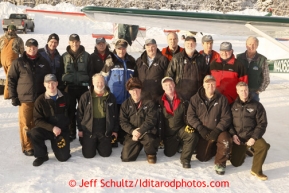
(21, 21)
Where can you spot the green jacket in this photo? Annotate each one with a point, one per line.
(257, 70)
(76, 67)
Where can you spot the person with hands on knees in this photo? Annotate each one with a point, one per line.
(52, 113)
(249, 126)
(209, 113)
(138, 118)
(97, 119)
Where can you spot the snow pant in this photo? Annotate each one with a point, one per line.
(38, 136)
(26, 123)
(121, 133)
(255, 96)
(189, 141)
(220, 149)
(75, 93)
(131, 149)
(260, 147)
(6, 70)
(96, 140)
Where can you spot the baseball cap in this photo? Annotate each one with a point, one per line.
(121, 43)
(167, 78)
(207, 38)
(31, 42)
(150, 41)
(208, 78)
(100, 40)
(225, 46)
(50, 77)
(53, 36)
(74, 37)
(188, 38)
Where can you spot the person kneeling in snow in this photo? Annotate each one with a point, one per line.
(138, 118)
(249, 125)
(97, 119)
(52, 114)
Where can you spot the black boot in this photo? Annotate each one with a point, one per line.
(40, 160)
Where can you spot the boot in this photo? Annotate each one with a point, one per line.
(152, 159)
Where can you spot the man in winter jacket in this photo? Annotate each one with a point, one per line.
(11, 48)
(97, 118)
(173, 47)
(209, 113)
(188, 69)
(51, 54)
(150, 68)
(76, 74)
(25, 84)
(173, 112)
(118, 68)
(257, 68)
(208, 52)
(52, 113)
(228, 71)
(99, 56)
(138, 118)
(249, 126)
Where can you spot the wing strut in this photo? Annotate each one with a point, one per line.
(259, 32)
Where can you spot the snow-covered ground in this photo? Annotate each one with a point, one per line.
(18, 175)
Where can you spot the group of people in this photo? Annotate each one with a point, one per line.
(204, 102)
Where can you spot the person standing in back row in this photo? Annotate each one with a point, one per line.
(257, 68)
(173, 47)
(76, 74)
(11, 48)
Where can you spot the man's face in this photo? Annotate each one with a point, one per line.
(210, 87)
(169, 87)
(226, 54)
(135, 94)
(74, 45)
(11, 32)
(52, 44)
(51, 87)
(190, 46)
(98, 83)
(151, 50)
(172, 41)
(32, 50)
(101, 46)
(121, 52)
(208, 46)
(251, 46)
(243, 92)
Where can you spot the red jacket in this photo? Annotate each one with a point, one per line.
(167, 52)
(214, 56)
(227, 75)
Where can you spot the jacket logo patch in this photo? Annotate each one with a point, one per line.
(216, 104)
(62, 105)
(231, 70)
(130, 106)
(255, 68)
(185, 61)
(250, 110)
(41, 65)
(145, 107)
(236, 109)
(117, 66)
(109, 104)
(155, 64)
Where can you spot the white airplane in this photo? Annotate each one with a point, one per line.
(214, 23)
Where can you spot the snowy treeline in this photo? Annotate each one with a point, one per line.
(278, 7)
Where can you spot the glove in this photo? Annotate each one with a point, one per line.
(60, 141)
(189, 129)
(213, 135)
(251, 142)
(15, 101)
(203, 131)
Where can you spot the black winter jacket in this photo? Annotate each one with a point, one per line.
(215, 115)
(48, 113)
(187, 73)
(144, 118)
(85, 113)
(249, 120)
(96, 63)
(152, 76)
(26, 77)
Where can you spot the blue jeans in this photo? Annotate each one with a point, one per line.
(255, 96)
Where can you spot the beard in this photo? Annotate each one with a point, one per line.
(97, 89)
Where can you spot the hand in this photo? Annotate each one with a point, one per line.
(135, 134)
(203, 131)
(56, 131)
(236, 140)
(15, 101)
(80, 134)
(114, 134)
(251, 142)
(213, 136)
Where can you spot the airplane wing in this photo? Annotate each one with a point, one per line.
(214, 23)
